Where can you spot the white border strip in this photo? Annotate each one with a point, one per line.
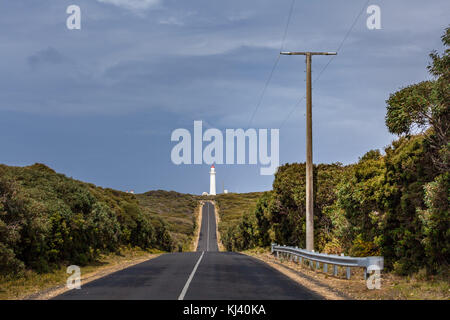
(207, 233)
(188, 282)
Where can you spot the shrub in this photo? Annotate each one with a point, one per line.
(47, 219)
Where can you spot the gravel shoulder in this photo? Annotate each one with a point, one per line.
(393, 287)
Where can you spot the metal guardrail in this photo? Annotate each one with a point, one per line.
(368, 263)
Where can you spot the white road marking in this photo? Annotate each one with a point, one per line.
(188, 282)
(207, 234)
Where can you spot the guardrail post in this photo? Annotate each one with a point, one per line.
(311, 262)
(348, 273)
(325, 268)
(335, 270)
(317, 265)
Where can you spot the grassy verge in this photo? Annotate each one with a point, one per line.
(43, 286)
(393, 287)
(197, 226)
(219, 238)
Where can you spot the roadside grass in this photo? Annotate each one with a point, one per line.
(33, 283)
(416, 287)
(393, 287)
(198, 223)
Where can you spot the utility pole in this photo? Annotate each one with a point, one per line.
(309, 155)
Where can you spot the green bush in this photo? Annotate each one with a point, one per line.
(47, 219)
(436, 223)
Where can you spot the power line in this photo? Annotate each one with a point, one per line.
(291, 9)
(264, 91)
(343, 40)
(328, 63)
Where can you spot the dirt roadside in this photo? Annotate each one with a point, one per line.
(216, 213)
(393, 287)
(99, 272)
(198, 219)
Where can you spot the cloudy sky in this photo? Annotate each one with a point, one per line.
(99, 104)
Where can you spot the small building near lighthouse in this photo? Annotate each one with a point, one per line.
(212, 181)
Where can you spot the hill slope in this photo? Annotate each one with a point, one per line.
(48, 219)
(177, 210)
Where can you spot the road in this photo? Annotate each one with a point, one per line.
(207, 240)
(203, 275)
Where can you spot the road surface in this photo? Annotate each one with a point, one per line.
(208, 237)
(203, 275)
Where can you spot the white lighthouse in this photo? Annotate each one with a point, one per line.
(212, 181)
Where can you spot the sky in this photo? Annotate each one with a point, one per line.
(99, 104)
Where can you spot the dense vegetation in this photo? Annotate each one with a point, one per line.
(232, 206)
(47, 219)
(395, 204)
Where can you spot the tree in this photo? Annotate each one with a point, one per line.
(425, 107)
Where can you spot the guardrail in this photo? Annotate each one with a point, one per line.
(293, 253)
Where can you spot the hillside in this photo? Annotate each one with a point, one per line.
(176, 209)
(48, 220)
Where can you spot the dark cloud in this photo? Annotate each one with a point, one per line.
(46, 56)
(129, 80)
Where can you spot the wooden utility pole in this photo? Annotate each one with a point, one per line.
(309, 154)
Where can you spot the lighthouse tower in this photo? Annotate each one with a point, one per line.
(212, 181)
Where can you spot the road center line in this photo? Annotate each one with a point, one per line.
(188, 282)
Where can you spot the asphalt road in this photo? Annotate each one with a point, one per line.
(207, 240)
(203, 275)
